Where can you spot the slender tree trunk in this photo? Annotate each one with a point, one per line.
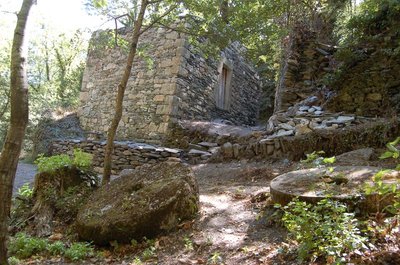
(18, 121)
(120, 94)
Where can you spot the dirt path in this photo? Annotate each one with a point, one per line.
(230, 228)
(25, 174)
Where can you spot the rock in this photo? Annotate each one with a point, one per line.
(281, 133)
(304, 108)
(270, 149)
(236, 148)
(313, 125)
(207, 144)
(285, 126)
(227, 150)
(215, 153)
(310, 100)
(311, 110)
(197, 147)
(174, 160)
(302, 129)
(344, 119)
(195, 152)
(340, 120)
(318, 112)
(317, 108)
(143, 202)
(356, 157)
(172, 150)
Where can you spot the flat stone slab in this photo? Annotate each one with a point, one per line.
(344, 183)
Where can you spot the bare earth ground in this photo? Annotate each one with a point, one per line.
(233, 227)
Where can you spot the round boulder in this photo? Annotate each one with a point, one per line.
(140, 203)
(342, 183)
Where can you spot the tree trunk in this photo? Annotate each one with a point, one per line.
(18, 121)
(120, 94)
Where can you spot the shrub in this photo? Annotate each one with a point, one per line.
(23, 246)
(13, 261)
(25, 191)
(316, 159)
(322, 230)
(79, 251)
(80, 160)
(57, 248)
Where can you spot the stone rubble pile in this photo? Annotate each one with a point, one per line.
(305, 122)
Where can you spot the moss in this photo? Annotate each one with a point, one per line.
(166, 195)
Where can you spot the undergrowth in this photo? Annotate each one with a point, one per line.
(23, 246)
(80, 160)
(325, 230)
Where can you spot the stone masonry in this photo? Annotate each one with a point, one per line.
(177, 84)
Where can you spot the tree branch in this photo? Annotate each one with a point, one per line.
(158, 19)
(8, 12)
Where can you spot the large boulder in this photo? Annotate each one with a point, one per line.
(140, 203)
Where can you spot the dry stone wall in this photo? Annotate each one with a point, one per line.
(370, 86)
(307, 61)
(293, 138)
(199, 80)
(126, 155)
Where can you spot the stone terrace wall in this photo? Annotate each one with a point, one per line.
(198, 82)
(336, 137)
(149, 96)
(126, 154)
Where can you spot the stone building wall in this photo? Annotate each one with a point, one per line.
(181, 84)
(198, 84)
(150, 92)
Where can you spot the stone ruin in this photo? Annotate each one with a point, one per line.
(181, 84)
(180, 103)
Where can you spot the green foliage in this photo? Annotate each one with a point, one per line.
(385, 191)
(80, 160)
(56, 248)
(55, 68)
(323, 230)
(373, 17)
(25, 191)
(215, 258)
(52, 163)
(78, 251)
(393, 151)
(149, 253)
(316, 159)
(13, 261)
(188, 243)
(23, 246)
